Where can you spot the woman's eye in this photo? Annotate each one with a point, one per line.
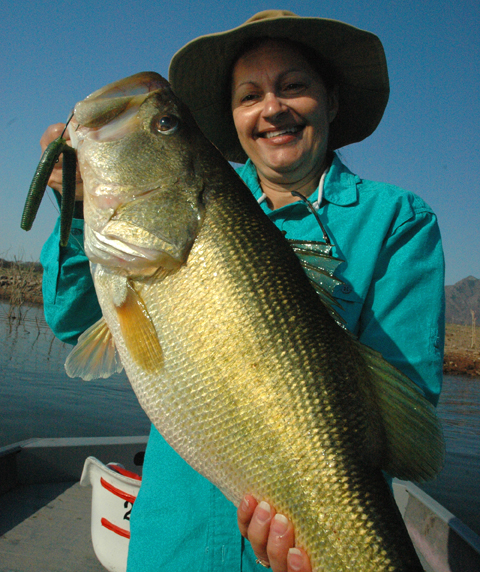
(293, 86)
(166, 125)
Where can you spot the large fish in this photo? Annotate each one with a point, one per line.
(230, 349)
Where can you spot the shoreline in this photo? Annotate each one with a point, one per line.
(462, 363)
(19, 285)
(460, 358)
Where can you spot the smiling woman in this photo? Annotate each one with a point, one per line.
(282, 113)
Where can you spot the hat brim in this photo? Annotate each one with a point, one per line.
(198, 75)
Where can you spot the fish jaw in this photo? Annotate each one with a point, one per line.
(134, 241)
(130, 258)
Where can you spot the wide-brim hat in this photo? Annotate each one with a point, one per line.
(199, 75)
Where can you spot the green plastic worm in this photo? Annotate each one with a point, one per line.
(39, 185)
(67, 205)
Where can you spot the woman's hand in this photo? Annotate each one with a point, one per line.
(271, 536)
(55, 180)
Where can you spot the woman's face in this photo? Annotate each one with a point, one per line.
(281, 112)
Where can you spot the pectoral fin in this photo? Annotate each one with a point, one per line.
(139, 332)
(95, 355)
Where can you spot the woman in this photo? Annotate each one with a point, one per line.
(258, 93)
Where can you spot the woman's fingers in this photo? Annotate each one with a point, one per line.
(56, 178)
(51, 133)
(259, 531)
(298, 561)
(245, 513)
(272, 537)
(280, 539)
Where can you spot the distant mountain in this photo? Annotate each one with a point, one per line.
(461, 298)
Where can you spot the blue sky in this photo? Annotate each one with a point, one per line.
(56, 53)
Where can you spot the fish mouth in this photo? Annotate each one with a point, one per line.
(140, 253)
(284, 131)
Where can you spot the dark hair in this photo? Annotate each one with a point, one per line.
(317, 62)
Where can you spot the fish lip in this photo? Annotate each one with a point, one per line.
(110, 249)
(276, 131)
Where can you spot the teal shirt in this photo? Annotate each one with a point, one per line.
(392, 298)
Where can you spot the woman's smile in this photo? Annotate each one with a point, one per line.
(284, 134)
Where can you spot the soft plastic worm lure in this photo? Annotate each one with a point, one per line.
(39, 184)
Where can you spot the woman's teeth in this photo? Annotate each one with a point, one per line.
(270, 134)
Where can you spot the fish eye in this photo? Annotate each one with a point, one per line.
(166, 124)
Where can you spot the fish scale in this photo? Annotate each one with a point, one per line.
(229, 348)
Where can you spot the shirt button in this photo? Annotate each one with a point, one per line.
(76, 231)
(346, 289)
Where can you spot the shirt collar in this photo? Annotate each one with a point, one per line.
(340, 186)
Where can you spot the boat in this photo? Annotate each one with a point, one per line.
(49, 522)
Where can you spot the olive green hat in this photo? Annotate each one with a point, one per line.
(198, 74)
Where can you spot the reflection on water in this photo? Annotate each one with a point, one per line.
(27, 342)
(38, 399)
(459, 409)
(456, 487)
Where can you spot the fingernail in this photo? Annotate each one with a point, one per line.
(244, 504)
(263, 512)
(295, 559)
(279, 524)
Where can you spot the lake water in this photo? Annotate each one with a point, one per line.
(38, 399)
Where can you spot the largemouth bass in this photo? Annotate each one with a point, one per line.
(229, 348)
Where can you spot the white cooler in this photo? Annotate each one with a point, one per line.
(114, 490)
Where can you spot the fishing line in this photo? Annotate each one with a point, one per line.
(311, 208)
(66, 124)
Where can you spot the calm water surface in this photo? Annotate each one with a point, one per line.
(457, 487)
(38, 399)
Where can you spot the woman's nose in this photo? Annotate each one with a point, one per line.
(273, 106)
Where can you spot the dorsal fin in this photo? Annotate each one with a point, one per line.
(319, 266)
(412, 435)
